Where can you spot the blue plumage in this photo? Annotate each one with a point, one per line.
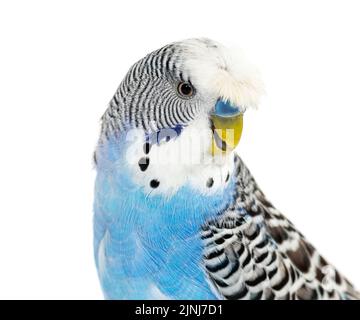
(146, 241)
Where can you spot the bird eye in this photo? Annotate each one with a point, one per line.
(185, 89)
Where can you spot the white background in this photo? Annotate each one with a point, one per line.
(60, 63)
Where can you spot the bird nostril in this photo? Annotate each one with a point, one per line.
(223, 67)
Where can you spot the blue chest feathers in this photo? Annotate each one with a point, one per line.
(149, 246)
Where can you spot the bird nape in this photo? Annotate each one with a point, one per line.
(177, 214)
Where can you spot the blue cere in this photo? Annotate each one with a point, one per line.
(226, 109)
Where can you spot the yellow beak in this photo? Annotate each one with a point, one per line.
(227, 126)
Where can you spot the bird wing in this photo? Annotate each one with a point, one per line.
(251, 251)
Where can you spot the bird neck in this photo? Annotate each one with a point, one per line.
(127, 201)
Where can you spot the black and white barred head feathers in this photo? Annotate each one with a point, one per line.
(147, 98)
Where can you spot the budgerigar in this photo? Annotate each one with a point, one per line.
(178, 215)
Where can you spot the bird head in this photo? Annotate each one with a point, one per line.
(185, 103)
